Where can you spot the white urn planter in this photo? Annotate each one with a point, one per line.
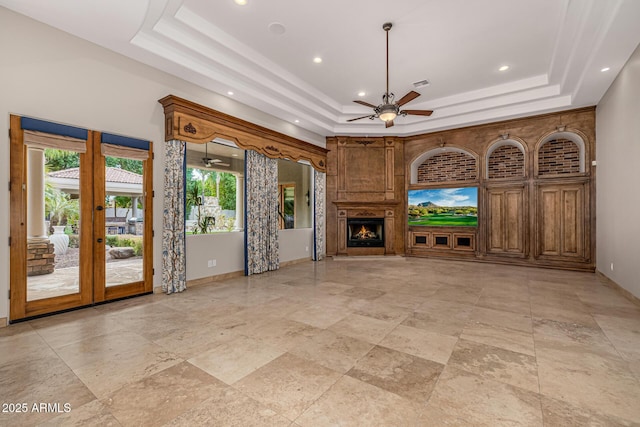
(60, 240)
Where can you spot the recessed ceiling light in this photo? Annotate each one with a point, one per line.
(234, 155)
(361, 93)
(229, 93)
(605, 69)
(503, 68)
(241, 2)
(297, 121)
(317, 60)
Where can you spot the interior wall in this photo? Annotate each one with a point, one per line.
(617, 193)
(295, 244)
(49, 74)
(225, 249)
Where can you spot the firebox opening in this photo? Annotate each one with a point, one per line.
(367, 232)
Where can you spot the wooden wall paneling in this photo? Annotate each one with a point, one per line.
(389, 169)
(341, 167)
(342, 232)
(515, 221)
(495, 221)
(364, 169)
(389, 231)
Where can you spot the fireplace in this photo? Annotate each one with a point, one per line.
(365, 233)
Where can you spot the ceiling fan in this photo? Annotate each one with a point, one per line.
(390, 109)
(208, 162)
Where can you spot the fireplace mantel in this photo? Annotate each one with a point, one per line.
(350, 204)
(361, 209)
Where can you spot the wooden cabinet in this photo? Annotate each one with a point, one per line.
(506, 220)
(562, 219)
(442, 241)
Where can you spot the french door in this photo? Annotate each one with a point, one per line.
(81, 217)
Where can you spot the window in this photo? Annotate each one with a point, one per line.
(214, 188)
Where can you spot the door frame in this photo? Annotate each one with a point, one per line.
(92, 287)
(101, 292)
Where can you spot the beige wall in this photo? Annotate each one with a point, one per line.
(618, 178)
(48, 74)
(227, 249)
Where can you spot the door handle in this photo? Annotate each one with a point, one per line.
(100, 240)
(99, 208)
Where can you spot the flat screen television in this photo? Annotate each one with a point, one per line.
(444, 207)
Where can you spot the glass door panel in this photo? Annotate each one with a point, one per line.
(124, 221)
(54, 222)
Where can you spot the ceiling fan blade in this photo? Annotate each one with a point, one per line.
(366, 104)
(408, 98)
(418, 112)
(388, 123)
(358, 118)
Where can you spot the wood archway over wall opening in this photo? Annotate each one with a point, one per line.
(191, 122)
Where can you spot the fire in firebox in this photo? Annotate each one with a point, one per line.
(364, 234)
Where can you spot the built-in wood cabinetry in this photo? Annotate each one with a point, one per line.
(561, 226)
(535, 180)
(505, 220)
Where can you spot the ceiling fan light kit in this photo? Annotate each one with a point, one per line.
(389, 109)
(209, 162)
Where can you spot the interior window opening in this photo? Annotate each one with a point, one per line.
(214, 188)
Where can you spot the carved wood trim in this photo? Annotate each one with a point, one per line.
(191, 122)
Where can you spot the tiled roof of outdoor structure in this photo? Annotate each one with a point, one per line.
(112, 175)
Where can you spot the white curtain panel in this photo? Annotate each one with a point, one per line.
(174, 278)
(261, 228)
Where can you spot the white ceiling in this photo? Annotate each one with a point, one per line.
(555, 50)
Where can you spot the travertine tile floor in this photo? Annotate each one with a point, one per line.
(408, 342)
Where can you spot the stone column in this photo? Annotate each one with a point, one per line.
(40, 251)
(35, 201)
(239, 224)
(134, 207)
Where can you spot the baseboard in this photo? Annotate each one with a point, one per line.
(368, 258)
(210, 279)
(216, 278)
(610, 283)
(294, 261)
(3, 322)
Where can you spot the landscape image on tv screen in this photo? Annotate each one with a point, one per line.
(447, 207)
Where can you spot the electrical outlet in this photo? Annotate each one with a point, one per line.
(306, 248)
(611, 266)
(211, 263)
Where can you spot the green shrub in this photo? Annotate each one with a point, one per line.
(112, 241)
(126, 241)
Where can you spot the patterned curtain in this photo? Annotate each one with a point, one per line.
(319, 185)
(261, 228)
(173, 241)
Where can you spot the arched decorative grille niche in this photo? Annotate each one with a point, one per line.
(505, 159)
(561, 153)
(445, 164)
